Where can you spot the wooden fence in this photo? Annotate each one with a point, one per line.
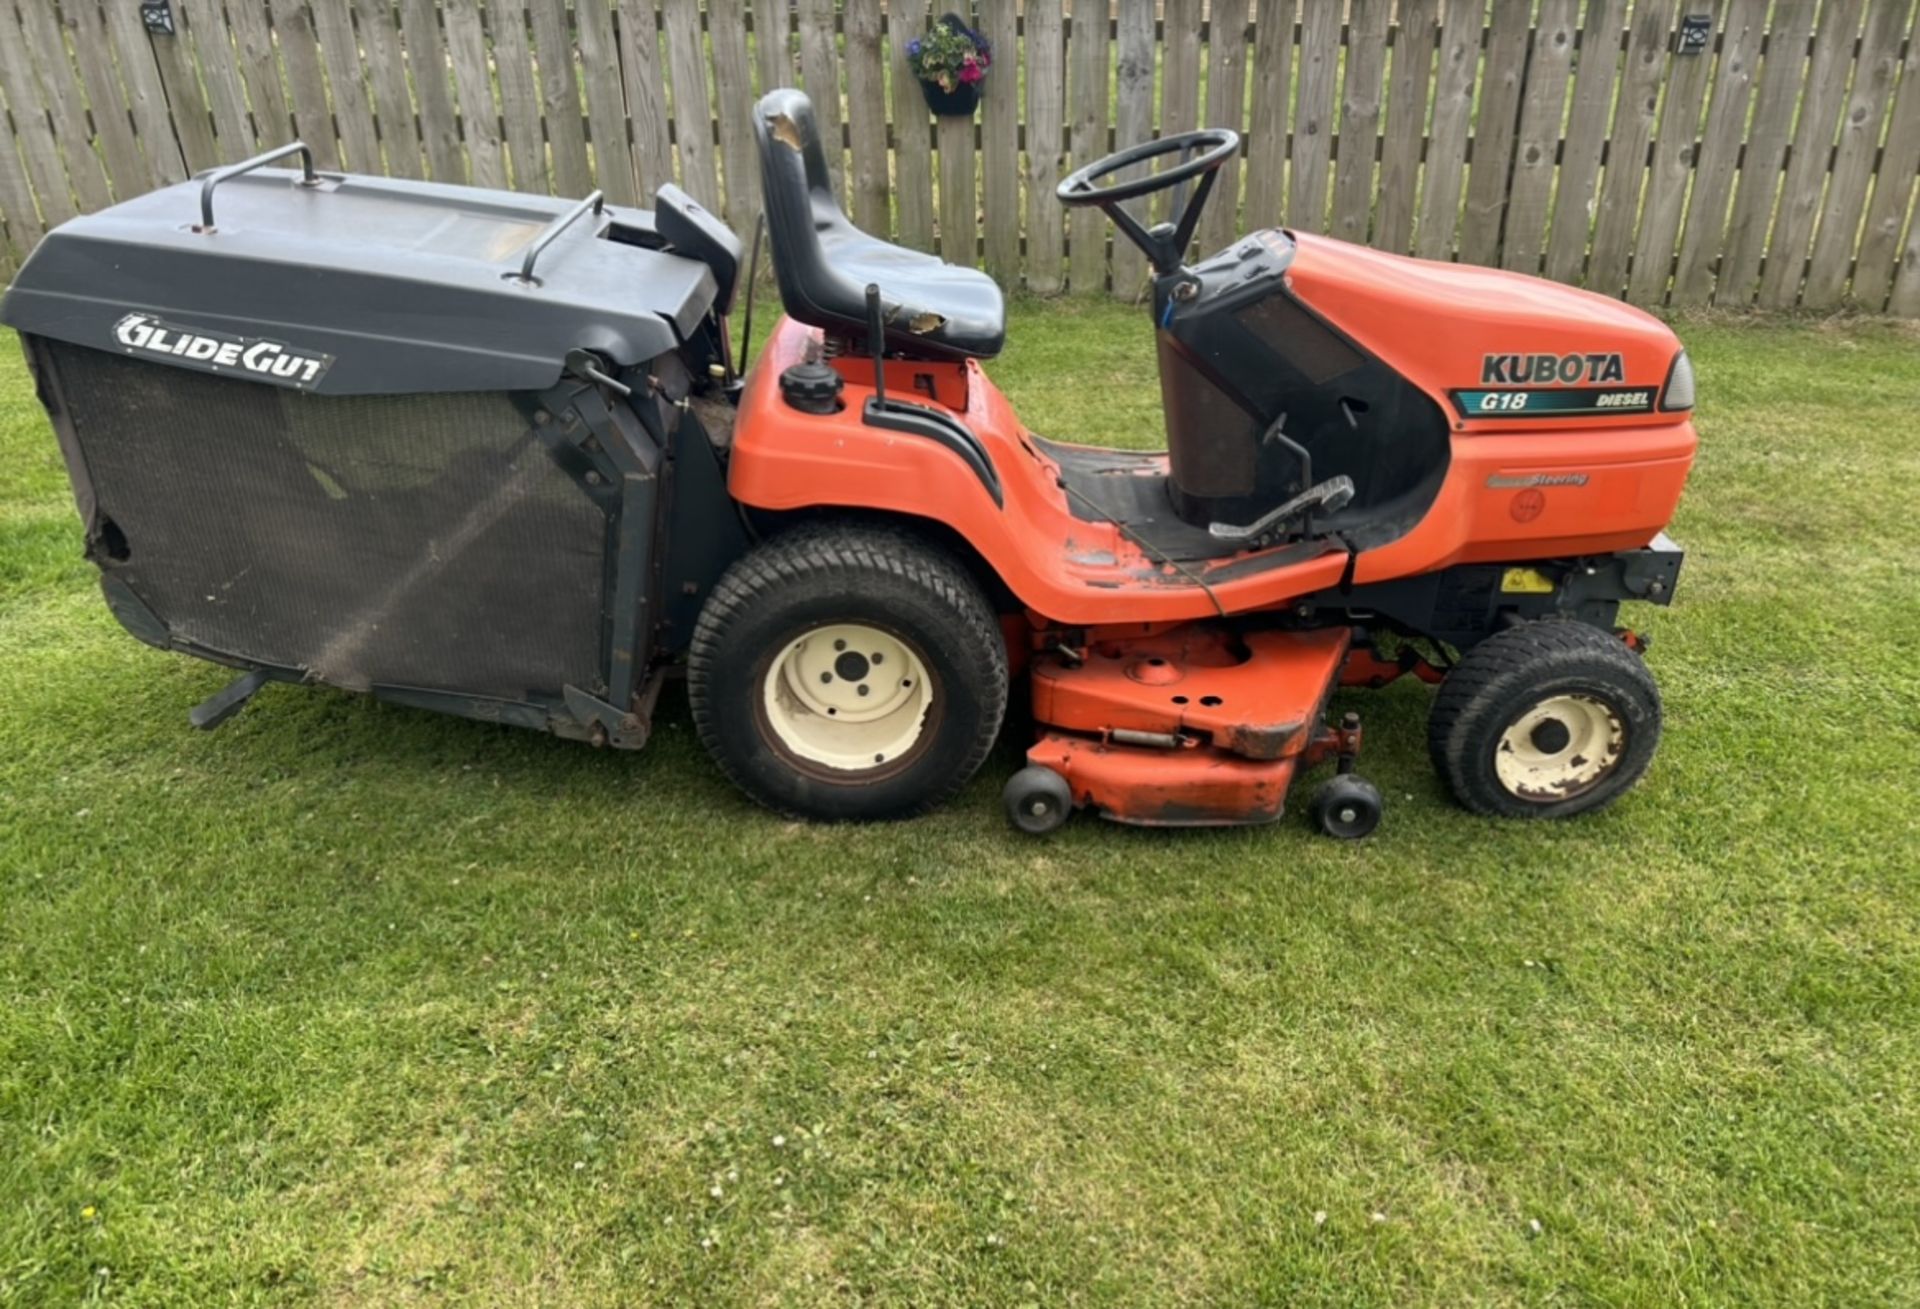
(1736, 152)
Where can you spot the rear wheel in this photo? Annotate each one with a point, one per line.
(1545, 720)
(847, 671)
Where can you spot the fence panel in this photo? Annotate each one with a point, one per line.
(1775, 165)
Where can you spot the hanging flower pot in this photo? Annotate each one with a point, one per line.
(951, 60)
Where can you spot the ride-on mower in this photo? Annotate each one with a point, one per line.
(492, 454)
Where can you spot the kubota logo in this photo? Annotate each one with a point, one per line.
(270, 361)
(1551, 370)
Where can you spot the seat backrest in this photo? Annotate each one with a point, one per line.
(929, 309)
(795, 180)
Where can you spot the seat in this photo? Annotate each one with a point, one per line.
(824, 263)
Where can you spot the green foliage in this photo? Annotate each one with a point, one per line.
(347, 1004)
(950, 55)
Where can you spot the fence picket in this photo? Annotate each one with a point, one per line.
(1865, 112)
(219, 64)
(1893, 188)
(867, 120)
(773, 42)
(1226, 107)
(606, 100)
(640, 65)
(186, 105)
(1000, 144)
(519, 98)
(1626, 164)
(1537, 147)
(38, 149)
(912, 130)
(1764, 157)
(1494, 130)
(1668, 173)
(146, 99)
(259, 73)
(1596, 64)
(733, 98)
(1719, 155)
(426, 68)
(692, 127)
(820, 75)
(1360, 100)
(1905, 299)
(1046, 129)
(346, 84)
(1133, 123)
(959, 216)
(61, 95)
(1813, 137)
(1088, 68)
(1406, 124)
(1179, 82)
(385, 58)
(19, 219)
(1313, 117)
(473, 84)
(1266, 196)
(1456, 77)
(560, 98)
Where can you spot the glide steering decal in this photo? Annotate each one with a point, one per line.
(258, 358)
(1552, 386)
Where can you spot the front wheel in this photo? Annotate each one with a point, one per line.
(845, 671)
(1545, 720)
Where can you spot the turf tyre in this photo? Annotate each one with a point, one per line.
(1499, 681)
(877, 577)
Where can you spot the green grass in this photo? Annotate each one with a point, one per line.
(351, 1004)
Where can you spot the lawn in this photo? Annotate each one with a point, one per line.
(349, 1004)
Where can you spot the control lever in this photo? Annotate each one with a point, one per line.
(584, 364)
(1329, 496)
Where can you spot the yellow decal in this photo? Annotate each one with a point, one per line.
(1526, 581)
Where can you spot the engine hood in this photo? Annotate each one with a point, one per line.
(1496, 350)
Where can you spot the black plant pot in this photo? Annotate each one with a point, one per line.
(957, 103)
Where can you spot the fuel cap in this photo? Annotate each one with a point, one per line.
(811, 387)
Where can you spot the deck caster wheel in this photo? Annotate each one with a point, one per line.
(1037, 800)
(1347, 807)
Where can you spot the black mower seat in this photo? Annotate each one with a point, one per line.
(824, 263)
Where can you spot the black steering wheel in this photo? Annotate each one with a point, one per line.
(1201, 154)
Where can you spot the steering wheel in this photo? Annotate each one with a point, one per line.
(1201, 154)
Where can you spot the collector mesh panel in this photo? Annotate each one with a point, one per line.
(422, 541)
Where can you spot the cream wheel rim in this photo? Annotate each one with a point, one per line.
(1563, 746)
(847, 697)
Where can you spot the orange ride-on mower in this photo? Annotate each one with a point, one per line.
(490, 454)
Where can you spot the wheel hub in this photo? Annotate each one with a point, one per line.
(1561, 747)
(847, 696)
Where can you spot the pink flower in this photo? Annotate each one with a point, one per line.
(970, 72)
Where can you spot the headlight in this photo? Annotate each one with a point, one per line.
(1677, 394)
